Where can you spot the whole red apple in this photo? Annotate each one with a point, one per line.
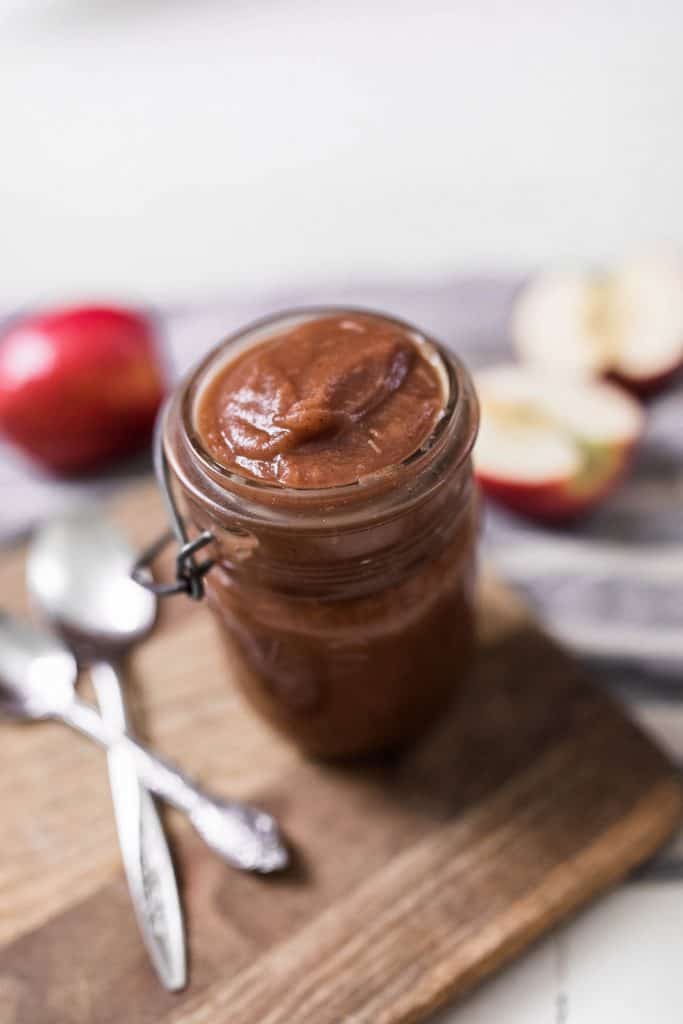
(79, 387)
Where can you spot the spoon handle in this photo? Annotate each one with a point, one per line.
(243, 835)
(144, 848)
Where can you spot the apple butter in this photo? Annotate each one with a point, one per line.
(328, 453)
(324, 403)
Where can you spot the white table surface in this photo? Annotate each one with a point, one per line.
(166, 150)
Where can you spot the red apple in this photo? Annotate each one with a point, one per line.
(79, 387)
(552, 447)
(627, 325)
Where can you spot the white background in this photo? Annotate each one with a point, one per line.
(166, 148)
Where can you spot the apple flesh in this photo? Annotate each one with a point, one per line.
(627, 325)
(552, 447)
(79, 387)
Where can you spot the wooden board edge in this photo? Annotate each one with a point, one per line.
(562, 894)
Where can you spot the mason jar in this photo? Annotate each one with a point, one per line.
(347, 610)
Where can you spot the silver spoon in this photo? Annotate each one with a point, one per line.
(77, 574)
(38, 681)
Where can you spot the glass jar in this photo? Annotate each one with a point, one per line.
(348, 611)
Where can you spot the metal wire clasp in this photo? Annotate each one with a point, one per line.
(189, 573)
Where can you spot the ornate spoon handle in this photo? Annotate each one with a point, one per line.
(146, 857)
(244, 836)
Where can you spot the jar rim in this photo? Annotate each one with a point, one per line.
(460, 402)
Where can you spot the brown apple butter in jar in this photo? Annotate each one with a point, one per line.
(328, 452)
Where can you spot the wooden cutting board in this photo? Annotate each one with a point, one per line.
(414, 877)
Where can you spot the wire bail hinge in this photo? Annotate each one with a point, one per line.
(189, 573)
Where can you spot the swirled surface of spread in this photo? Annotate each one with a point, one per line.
(324, 403)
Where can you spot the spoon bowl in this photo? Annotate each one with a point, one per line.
(28, 657)
(79, 575)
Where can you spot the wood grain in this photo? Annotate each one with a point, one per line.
(414, 876)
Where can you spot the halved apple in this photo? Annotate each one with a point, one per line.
(552, 446)
(627, 324)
